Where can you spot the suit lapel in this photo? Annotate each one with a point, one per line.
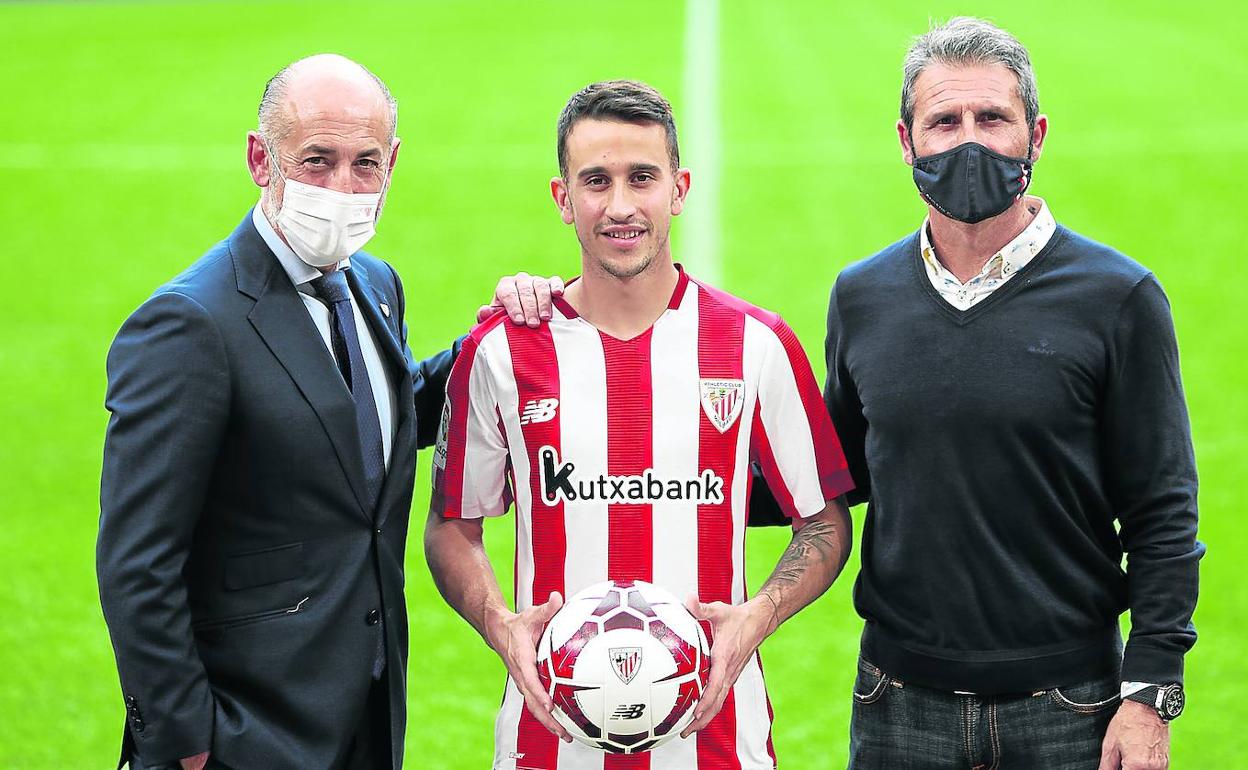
(282, 321)
(369, 302)
(403, 445)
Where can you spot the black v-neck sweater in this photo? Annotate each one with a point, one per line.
(999, 447)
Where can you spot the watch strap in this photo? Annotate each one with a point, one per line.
(1166, 700)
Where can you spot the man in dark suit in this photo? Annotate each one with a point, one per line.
(259, 461)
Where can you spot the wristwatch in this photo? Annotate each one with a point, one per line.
(1167, 700)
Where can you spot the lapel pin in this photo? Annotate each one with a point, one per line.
(385, 309)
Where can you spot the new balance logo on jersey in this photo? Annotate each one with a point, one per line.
(559, 484)
(539, 410)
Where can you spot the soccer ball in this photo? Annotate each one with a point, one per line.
(625, 663)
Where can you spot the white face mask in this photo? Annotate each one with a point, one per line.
(324, 226)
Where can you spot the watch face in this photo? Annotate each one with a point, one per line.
(1172, 702)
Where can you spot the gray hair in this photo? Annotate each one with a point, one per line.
(274, 123)
(967, 41)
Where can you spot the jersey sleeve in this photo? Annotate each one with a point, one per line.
(470, 456)
(793, 440)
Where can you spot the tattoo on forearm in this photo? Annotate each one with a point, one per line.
(818, 546)
(818, 541)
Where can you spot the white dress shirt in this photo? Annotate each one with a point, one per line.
(300, 274)
(999, 268)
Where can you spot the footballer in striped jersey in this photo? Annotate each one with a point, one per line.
(623, 430)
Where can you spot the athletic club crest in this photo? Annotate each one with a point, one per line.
(722, 400)
(626, 661)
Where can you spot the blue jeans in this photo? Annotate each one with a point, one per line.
(900, 726)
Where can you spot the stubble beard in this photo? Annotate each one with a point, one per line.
(626, 270)
(269, 203)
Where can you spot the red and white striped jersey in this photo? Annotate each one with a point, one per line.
(629, 459)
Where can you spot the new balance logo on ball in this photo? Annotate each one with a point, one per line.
(629, 711)
(539, 410)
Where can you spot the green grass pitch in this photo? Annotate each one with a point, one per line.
(122, 160)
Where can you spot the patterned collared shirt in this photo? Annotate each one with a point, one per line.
(999, 268)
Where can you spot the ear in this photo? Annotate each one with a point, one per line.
(907, 143)
(682, 189)
(1038, 133)
(394, 145)
(258, 162)
(394, 153)
(385, 186)
(559, 191)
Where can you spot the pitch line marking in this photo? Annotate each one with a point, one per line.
(699, 233)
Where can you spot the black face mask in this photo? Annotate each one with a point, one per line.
(971, 182)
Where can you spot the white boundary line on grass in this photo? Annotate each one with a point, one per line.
(699, 233)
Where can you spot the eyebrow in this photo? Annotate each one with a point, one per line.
(634, 168)
(977, 106)
(940, 112)
(320, 149)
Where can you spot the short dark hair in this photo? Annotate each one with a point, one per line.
(629, 101)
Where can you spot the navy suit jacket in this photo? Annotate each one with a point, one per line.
(241, 572)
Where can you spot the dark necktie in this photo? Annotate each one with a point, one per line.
(332, 288)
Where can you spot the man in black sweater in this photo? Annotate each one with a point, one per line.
(1007, 391)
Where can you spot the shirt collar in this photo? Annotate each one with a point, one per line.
(1014, 255)
(300, 272)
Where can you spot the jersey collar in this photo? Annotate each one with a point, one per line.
(678, 294)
